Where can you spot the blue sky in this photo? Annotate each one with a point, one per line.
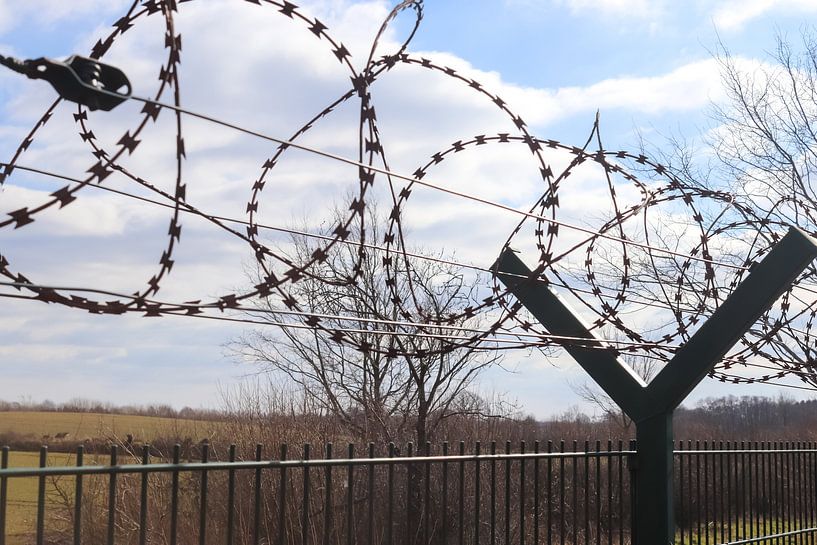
(645, 64)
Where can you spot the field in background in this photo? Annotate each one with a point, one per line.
(80, 426)
(22, 503)
(44, 427)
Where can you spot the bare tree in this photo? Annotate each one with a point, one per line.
(763, 150)
(390, 390)
(766, 142)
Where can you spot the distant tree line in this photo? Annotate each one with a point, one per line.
(259, 417)
(83, 405)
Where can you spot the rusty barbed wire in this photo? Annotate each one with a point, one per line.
(654, 265)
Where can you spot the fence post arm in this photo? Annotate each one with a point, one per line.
(616, 378)
(744, 306)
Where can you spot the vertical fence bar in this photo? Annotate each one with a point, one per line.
(706, 493)
(803, 487)
(205, 457)
(762, 507)
(783, 491)
(812, 489)
(350, 495)
(729, 510)
(609, 459)
(493, 493)
(773, 496)
(461, 502)
(477, 491)
(768, 474)
(507, 494)
(784, 503)
(77, 499)
(522, 494)
(721, 496)
(562, 494)
(806, 491)
(426, 493)
(795, 517)
(550, 494)
(799, 474)
(307, 488)
(683, 519)
(787, 507)
(327, 494)
(743, 498)
(445, 493)
(598, 492)
(798, 484)
(777, 489)
(282, 496)
(41, 498)
(801, 471)
(112, 497)
(791, 513)
(764, 475)
(174, 495)
(729, 494)
(536, 493)
(790, 516)
(409, 495)
(256, 519)
(691, 508)
(230, 495)
(632, 483)
(575, 505)
(621, 492)
(370, 498)
(586, 493)
(143, 498)
(390, 511)
(4, 464)
(752, 508)
(755, 457)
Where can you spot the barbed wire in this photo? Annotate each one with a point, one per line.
(669, 247)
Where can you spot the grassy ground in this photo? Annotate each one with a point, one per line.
(22, 493)
(22, 503)
(80, 426)
(752, 529)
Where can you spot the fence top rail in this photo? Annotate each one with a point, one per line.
(162, 467)
(13, 472)
(746, 451)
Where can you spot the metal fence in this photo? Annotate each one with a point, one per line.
(746, 492)
(490, 494)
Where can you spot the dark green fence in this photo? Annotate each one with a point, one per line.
(490, 494)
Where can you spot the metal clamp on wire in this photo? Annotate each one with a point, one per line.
(83, 80)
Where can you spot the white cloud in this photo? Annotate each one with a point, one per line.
(686, 88)
(732, 15)
(49, 12)
(630, 8)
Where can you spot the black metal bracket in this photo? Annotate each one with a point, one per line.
(83, 80)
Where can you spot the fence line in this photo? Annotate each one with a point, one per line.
(553, 493)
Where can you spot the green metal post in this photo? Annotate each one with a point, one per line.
(654, 520)
(651, 405)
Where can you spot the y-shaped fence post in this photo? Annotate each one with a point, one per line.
(651, 405)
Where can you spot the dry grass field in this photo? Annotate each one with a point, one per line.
(22, 502)
(47, 426)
